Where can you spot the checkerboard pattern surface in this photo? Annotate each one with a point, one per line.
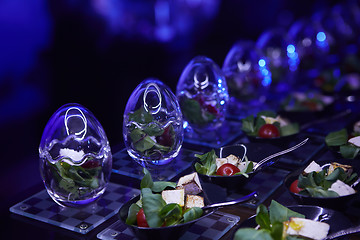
(224, 135)
(212, 227)
(264, 183)
(42, 208)
(123, 164)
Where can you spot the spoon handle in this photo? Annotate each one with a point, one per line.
(343, 232)
(280, 153)
(235, 201)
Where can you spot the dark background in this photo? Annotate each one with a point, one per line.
(58, 52)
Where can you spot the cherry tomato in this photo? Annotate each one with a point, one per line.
(212, 109)
(165, 139)
(294, 187)
(227, 169)
(90, 164)
(269, 131)
(140, 219)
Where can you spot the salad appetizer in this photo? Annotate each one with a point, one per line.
(348, 144)
(281, 223)
(148, 136)
(267, 124)
(306, 102)
(75, 181)
(325, 182)
(166, 203)
(199, 109)
(210, 164)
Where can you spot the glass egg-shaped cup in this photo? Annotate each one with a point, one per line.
(75, 157)
(247, 80)
(153, 124)
(203, 95)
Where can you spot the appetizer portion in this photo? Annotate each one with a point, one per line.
(211, 164)
(347, 144)
(306, 102)
(331, 181)
(166, 203)
(281, 223)
(268, 124)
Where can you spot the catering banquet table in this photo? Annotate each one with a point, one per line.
(33, 214)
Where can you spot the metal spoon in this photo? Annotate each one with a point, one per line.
(343, 232)
(236, 201)
(262, 162)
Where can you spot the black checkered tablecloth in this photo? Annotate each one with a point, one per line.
(82, 220)
(211, 227)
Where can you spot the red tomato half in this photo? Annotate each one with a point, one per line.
(269, 131)
(227, 169)
(294, 187)
(140, 219)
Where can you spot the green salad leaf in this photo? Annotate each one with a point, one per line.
(270, 221)
(337, 138)
(208, 163)
(156, 211)
(317, 184)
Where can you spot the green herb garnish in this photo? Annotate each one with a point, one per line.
(340, 139)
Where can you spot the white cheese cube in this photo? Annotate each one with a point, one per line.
(313, 167)
(232, 159)
(355, 141)
(307, 228)
(219, 162)
(174, 196)
(191, 183)
(341, 188)
(194, 201)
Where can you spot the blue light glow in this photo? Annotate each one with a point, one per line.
(185, 124)
(321, 36)
(290, 49)
(265, 72)
(262, 63)
(266, 81)
(222, 102)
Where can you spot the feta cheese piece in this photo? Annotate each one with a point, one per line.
(355, 141)
(347, 168)
(76, 156)
(174, 196)
(341, 188)
(312, 167)
(194, 201)
(219, 162)
(191, 183)
(232, 159)
(306, 228)
(271, 120)
(242, 166)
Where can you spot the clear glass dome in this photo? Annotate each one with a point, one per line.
(152, 127)
(247, 79)
(75, 157)
(203, 94)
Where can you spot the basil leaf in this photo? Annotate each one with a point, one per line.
(337, 138)
(146, 181)
(306, 181)
(349, 151)
(262, 217)
(280, 213)
(320, 192)
(252, 234)
(192, 111)
(192, 214)
(171, 213)
(153, 129)
(152, 204)
(208, 161)
(161, 185)
(133, 210)
(277, 230)
(289, 129)
(259, 122)
(141, 116)
(248, 125)
(141, 140)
